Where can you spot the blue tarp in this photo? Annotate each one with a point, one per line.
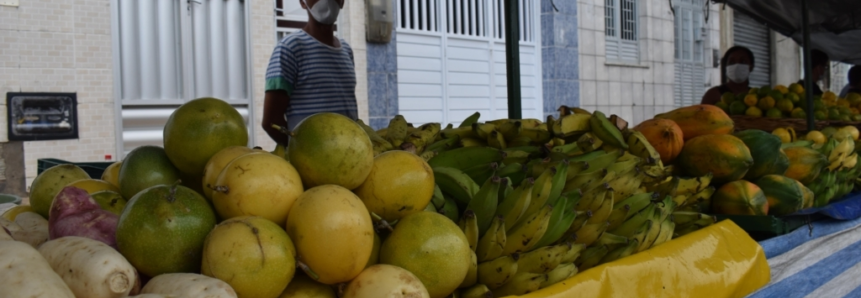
(847, 208)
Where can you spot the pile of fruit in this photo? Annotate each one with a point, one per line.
(789, 102)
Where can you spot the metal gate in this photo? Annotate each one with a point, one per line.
(690, 37)
(451, 60)
(755, 36)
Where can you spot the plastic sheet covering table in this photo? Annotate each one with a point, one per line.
(718, 261)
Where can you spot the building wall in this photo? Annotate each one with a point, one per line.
(262, 25)
(560, 62)
(382, 79)
(786, 60)
(61, 46)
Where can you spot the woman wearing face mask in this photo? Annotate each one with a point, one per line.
(735, 66)
(310, 72)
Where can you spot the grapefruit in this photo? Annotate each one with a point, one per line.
(46, 186)
(304, 287)
(252, 254)
(200, 128)
(216, 163)
(144, 167)
(110, 200)
(375, 252)
(259, 184)
(162, 230)
(400, 184)
(112, 173)
(385, 281)
(329, 148)
(333, 233)
(432, 247)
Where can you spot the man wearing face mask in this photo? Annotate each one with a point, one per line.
(310, 71)
(820, 64)
(736, 65)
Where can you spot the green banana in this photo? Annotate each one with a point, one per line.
(437, 200)
(665, 207)
(450, 210)
(640, 235)
(455, 183)
(591, 257)
(621, 252)
(471, 274)
(526, 233)
(699, 202)
(558, 183)
(560, 220)
(602, 213)
(628, 185)
(476, 291)
(652, 235)
(514, 205)
(588, 143)
(640, 146)
(510, 129)
(584, 182)
(490, 245)
(637, 202)
(470, 120)
(668, 227)
(482, 130)
(516, 156)
(606, 131)
(602, 161)
(683, 218)
(632, 224)
(497, 272)
(443, 145)
(612, 241)
(618, 216)
(572, 149)
(462, 158)
(467, 142)
(590, 233)
(516, 172)
(469, 225)
(521, 283)
(537, 136)
(460, 133)
(540, 260)
(624, 166)
(540, 192)
(571, 252)
(505, 189)
(560, 273)
(573, 125)
(397, 131)
(690, 186)
(484, 203)
(481, 173)
(593, 199)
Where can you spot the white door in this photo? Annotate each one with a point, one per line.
(451, 60)
(690, 36)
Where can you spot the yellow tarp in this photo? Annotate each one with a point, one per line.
(718, 261)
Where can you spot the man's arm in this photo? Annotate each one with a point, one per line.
(274, 106)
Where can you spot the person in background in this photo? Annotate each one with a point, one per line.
(854, 84)
(310, 71)
(820, 64)
(735, 68)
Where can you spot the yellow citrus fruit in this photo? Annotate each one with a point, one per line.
(766, 103)
(783, 134)
(252, 254)
(796, 88)
(852, 130)
(798, 113)
(46, 186)
(727, 98)
(773, 113)
(753, 91)
(816, 136)
(385, 281)
(785, 105)
(753, 112)
(781, 88)
(829, 96)
(432, 247)
(217, 163)
(794, 98)
(751, 100)
(333, 232)
(94, 185)
(723, 106)
(843, 103)
(112, 173)
(400, 183)
(329, 148)
(304, 287)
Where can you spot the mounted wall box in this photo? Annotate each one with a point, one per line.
(42, 116)
(379, 19)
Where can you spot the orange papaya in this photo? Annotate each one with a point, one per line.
(698, 120)
(725, 156)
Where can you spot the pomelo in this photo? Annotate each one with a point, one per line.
(46, 186)
(329, 148)
(144, 167)
(375, 252)
(162, 229)
(217, 163)
(259, 184)
(304, 287)
(112, 173)
(332, 231)
(385, 281)
(432, 247)
(252, 254)
(110, 200)
(400, 184)
(200, 128)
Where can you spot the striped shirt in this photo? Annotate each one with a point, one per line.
(317, 77)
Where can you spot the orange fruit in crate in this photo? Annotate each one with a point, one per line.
(816, 136)
(766, 103)
(751, 100)
(753, 112)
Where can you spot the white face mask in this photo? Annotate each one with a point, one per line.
(325, 11)
(738, 72)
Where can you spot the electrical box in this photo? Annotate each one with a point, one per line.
(379, 19)
(42, 116)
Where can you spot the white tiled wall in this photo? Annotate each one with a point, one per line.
(634, 92)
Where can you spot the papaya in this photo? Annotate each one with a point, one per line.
(807, 195)
(665, 136)
(765, 150)
(782, 193)
(725, 156)
(740, 197)
(804, 164)
(698, 120)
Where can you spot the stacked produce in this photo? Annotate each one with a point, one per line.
(789, 102)
(514, 206)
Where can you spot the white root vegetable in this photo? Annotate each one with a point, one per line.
(25, 273)
(189, 285)
(90, 267)
(4, 235)
(34, 228)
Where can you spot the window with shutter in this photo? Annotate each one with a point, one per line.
(689, 48)
(621, 30)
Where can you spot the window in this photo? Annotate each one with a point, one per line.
(621, 30)
(690, 31)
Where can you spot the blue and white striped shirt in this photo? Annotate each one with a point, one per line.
(317, 77)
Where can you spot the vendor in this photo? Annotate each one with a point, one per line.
(310, 71)
(735, 68)
(854, 85)
(820, 64)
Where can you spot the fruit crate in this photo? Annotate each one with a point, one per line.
(764, 227)
(770, 124)
(94, 169)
